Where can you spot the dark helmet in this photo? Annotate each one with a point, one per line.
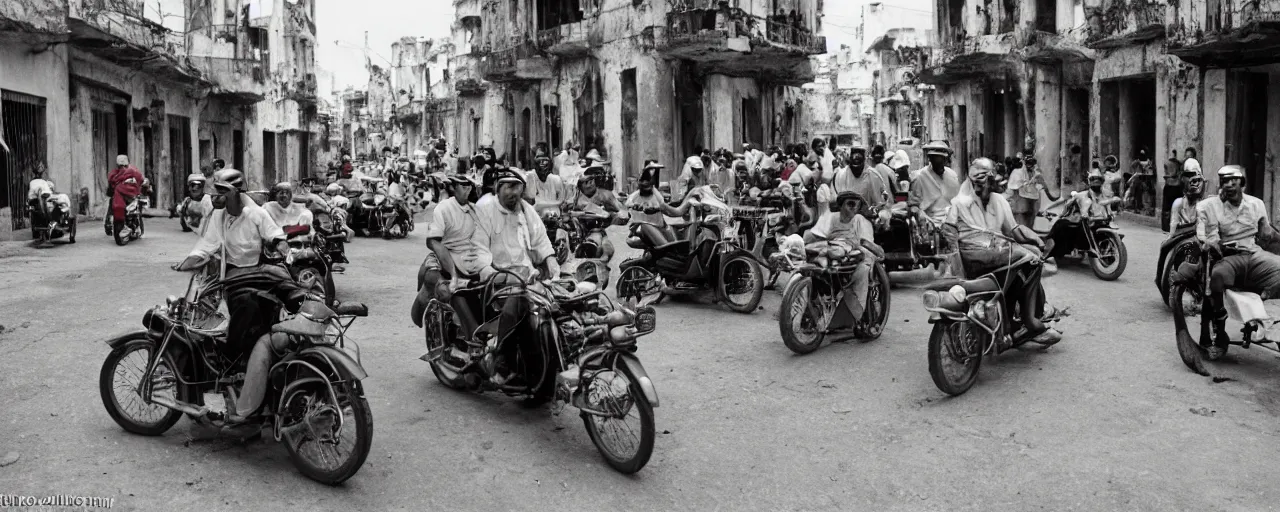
(228, 179)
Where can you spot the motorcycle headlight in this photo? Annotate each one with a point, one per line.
(646, 320)
(957, 292)
(932, 300)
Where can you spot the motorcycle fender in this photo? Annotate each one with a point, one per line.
(795, 276)
(642, 377)
(725, 255)
(343, 363)
(120, 340)
(1112, 231)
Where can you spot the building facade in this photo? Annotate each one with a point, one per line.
(171, 88)
(633, 80)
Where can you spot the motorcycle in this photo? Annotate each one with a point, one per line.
(1245, 308)
(391, 217)
(587, 343)
(331, 237)
(757, 225)
(174, 366)
(51, 219)
(1097, 240)
(580, 257)
(815, 302)
(909, 244)
(971, 319)
(1180, 247)
(132, 221)
(708, 257)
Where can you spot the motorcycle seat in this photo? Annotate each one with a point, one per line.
(677, 246)
(351, 309)
(979, 285)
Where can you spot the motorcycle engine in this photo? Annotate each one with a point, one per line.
(573, 334)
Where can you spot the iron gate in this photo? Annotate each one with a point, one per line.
(23, 131)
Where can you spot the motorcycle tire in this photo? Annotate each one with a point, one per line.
(106, 388)
(793, 311)
(940, 335)
(117, 232)
(107, 224)
(871, 326)
(757, 285)
(361, 420)
(1189, 349)
(636, 462)
(1171, 263)
(71, 231)
(1110, 272)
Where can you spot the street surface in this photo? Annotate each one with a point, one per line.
(1109, 419)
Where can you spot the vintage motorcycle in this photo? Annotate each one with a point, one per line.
(1180, 247)
(972, 319)
(51, 219)
(759, 222)
(331, 237)
(310, 267)
(175, 365)
(587, 358)
(1258, 327)
(132, 217)
(1098, 240)
(815, 302)
(707, 257)
(910, 244)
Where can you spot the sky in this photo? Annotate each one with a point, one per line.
(346, 21)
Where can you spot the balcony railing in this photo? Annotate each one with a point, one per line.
(786, 36)
(702, 27)
(35, 16)
(122, 19)
(503, 65)
(466, 75)
(1131, 18)
(244, 78)
(569, 39)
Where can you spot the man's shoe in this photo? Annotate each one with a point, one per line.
(1047, 338)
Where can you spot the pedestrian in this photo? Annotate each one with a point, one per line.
(1172, 188)
(1023, 193)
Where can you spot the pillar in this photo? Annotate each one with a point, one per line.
(1213, 154)
(1048, 124)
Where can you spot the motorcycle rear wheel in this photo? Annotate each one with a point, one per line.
(940, 343)
(359, 420)
(71, 231)
(798, 328)
(633, 403)
(1117, 257)
(108, 388)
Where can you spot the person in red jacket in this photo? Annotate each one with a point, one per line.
(123, 184)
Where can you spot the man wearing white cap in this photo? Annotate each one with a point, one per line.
(933, 187)
(285, 212)
(1233, 217)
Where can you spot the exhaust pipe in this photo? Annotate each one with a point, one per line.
(180, 406)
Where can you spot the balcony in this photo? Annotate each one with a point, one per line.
(970, 57)
(411, 112)
(1129, 23)
(239, 81)
(568, 40)
(117, 31)
(466, 75)
(440, 105)
(302, 90)
(746, 46)
(517, 64)
(1239, 33)
(42, 20)
(466, 10)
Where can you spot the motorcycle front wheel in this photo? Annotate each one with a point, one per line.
(801, 332)
(119, 379)
(616, 394)
(1111, 259)
(741, 284)
(311, 435)
(955, 354)
(876, 315)
(1186, 305)
(71, 231)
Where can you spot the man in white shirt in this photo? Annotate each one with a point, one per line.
(933, 187)
(55, 205)
(545, 191)
(649, 210)
(236, 233)
(1233, 217)
(845, 230)
(511, 233)
(454, 254)
(283, 211)
(980, 224)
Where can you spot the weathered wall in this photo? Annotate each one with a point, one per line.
(42, 74)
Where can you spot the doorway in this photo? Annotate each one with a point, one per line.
(526, 130)
(237, 149)
(752, 128)
(268, 157)
(689, 92)
(179, 155)
(149, 162)
(23, 124)
(1246, 137)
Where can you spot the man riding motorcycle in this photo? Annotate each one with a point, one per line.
(842, 230)
(55, 205)
(934, 187)
(454, 256)
(197, 205)
(1239, 219)
(1082, 206)
(545, 191)
(650, 211)
(124, 183)
(510, 232)
(285, 212)
(980, 223)
(590, 198)
(236, 233)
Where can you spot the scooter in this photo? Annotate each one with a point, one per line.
(51, 218)
(1098, 240)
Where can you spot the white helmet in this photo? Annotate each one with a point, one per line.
(333, 189)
